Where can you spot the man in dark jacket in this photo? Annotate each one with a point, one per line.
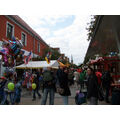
(48, 86)
(92, 87)
(106, 81)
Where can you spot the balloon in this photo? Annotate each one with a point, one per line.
(4, 51)
(11, 86)
(9, 71)
(33, 86)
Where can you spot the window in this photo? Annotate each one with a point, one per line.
(24, 39)
(10, 30)
(38, 47)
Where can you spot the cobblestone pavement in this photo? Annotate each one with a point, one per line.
(27, 99)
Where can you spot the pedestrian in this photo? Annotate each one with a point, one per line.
(48, 86)
(76, 78)
(35, 76)
(17, 93)
(63, 86)
(82, 78)
(92, 87)
(27, 77)
(3, 81)
(106, 82)
(8, 92)
(99, 75)
(71, 76)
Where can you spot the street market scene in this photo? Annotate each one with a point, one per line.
(37, 71)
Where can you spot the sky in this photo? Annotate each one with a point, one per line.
(68, 32)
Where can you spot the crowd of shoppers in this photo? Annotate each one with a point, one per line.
(56, 81)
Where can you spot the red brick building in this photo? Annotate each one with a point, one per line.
(13, 25)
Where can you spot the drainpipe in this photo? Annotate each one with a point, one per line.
(34, 47)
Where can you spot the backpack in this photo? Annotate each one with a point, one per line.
(47, 76)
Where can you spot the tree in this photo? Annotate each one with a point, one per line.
(54, 53)
(91, 27)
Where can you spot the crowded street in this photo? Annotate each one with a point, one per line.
(26, 99)
(60, 60)
(34, 71)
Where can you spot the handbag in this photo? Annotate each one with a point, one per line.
(60, 90)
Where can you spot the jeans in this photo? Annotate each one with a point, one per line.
(17, 96)
(51, 92)
(65, 100)
(36, 91)
(11, 96)
(93, 101)
(2, 97)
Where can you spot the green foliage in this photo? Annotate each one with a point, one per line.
(55, 53)
(91, 27)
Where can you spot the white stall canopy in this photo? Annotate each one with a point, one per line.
(39, 64)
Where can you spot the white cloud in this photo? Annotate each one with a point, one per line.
(72, 39)
(33, 21)
(43, 32)
(44, 19)
(52, 20)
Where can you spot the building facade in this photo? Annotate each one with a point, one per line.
(105, 43)
(13, 25)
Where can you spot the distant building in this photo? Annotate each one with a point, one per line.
(62, 56)
(57, 49)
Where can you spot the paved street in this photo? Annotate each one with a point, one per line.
(27, 99)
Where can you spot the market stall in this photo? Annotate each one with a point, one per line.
(39, 64)
(108, 63)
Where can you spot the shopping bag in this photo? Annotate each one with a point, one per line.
(80, 98)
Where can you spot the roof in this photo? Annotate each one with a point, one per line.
(39, 64)
(104, 39)
(24, 24)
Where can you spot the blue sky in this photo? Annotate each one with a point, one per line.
(68, 32)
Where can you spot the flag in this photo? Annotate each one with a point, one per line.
(27, 59)
(59, 59)
(48, 57)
